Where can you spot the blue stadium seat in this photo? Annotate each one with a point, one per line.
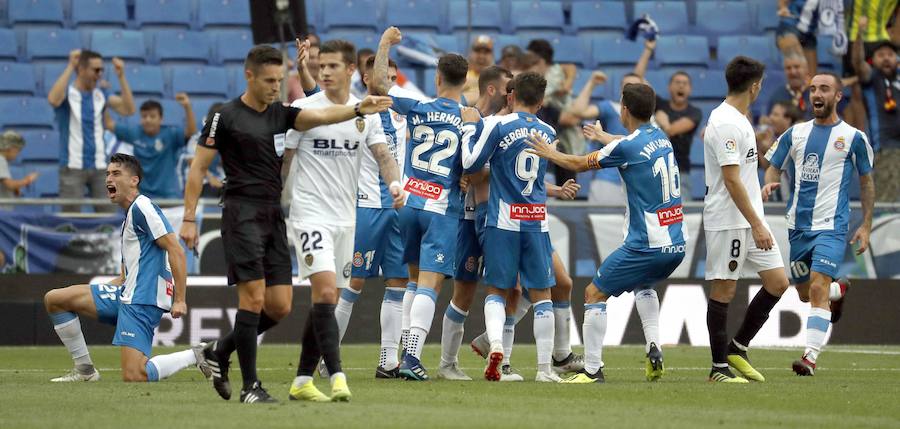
(144, 80)
(501, 40)
(766, 15)
(670, 16)
(47, 183)
(43, 44)
(49, 73)
(99, 13)
(360, 40)
(756, 47)
(682, 51)
(597, 15)
(659, 81)
(201, 106)
(125, 44)
(199, 81)
(162, 14)
(600, 91)
(696, 154)
(351, 15)
(41, 12)
(428, 82)
(231, 46)
(530, 15)
(182, 46)
(570, 49)
(773, 80)
(17, 79)
(223, 13)
(708, 84)
(825, 58)
(8, 45)
(40, 145)
(427, 15)
(615, 50)
(486, 16)
(698, 183)
(236, 81)
(313, 15)
(723, 18)
(706, 107)
(30, 112)
(447, 42)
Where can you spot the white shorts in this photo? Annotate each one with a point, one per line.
(729, 251)
(323, 248)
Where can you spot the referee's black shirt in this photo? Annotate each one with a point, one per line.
(251, 144)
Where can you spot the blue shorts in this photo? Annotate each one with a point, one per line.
(106, 300)
(819, 251)
(429, 240)
(626, 270)
(135, 326)
(789, 26)
(468, 252)
(511, 256)
(377, 245)
(480, 222)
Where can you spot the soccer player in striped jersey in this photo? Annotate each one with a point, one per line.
(655, 232)
(824, 153)
(152, 283)
(430, 219)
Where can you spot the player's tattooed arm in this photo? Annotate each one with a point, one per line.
(381, 82)
(390, 172)
(867, 199)
(170, 244)
(544, 149)
(773, 175)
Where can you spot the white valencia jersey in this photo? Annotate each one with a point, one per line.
(729, 140)
(327, 165)
(373, 191)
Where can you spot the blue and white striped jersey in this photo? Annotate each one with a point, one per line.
(80, 122)
(824, 157)
(518, 197)
(432, 165)
(148, 277)
(373, 192)
(653, 212)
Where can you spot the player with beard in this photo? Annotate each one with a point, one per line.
(824, 152)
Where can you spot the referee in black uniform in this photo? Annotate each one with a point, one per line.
(249, 134)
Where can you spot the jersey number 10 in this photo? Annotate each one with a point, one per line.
(426, 135)
(669, 177)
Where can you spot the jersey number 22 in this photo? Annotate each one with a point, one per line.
(426, 135)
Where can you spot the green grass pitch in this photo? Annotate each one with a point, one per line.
(855, 387)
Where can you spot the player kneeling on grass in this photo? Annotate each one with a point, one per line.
(654, 245)
(152, 282)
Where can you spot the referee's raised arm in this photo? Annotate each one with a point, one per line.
(311, 118)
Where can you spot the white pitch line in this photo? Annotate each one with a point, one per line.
(698, 368)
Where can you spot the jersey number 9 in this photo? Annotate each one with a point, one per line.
(527, 166)
(426, 135)
(669, 176)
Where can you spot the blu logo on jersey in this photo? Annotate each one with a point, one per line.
(333, 144)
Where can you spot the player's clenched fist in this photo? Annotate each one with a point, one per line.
(469, 114)
(391, 36)
(374, 104)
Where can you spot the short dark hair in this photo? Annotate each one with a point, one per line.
(680, 73)
(338, 46)
(491, 75)
(86, 56)
(640, 100)
(453, 69)
(530, 88)
(839, 85)
(742, 72)
(152, 105)
(792, 112)
(632, 74)
(542, 49)
(262, 55)
(370, 64)
(130, 163)
(361, 53)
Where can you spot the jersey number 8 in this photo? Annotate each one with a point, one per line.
(669, 176)
(426, 135)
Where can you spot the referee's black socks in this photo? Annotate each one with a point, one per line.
(757, 314)
(328, 336)
(226, 346)
(245, 327)
(717, 324)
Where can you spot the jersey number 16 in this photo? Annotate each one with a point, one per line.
(669, 177)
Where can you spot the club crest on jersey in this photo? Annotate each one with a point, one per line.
(360, 124)
(439, 258)
(346, 272)
(158, 145)
(357, 259)
(527, 212)
(730, 145)
(810, 170)
(840, 144)
(308, 259)
(424, 188)
(471, 264)
(732, 265)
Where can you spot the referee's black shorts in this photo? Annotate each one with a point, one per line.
(255, 240)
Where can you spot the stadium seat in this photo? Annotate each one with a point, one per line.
(36, 12)
(99, 13)
(530, 15)
(615, 50)
(696, 154)
(43, 44)
(8, 45)
(40, 145)
(698, 183)
(766, 12)
(48, 74)
(236, 81)
(682, 51)
(231, 46)
(708, 84)
(706, 107)
(199, 81)
(659, 81)
(125, 44)
(598, 16)
(160, 14)
(419, 15)
(223, 13)
(428, 82)
(716, 18)
(773, 80)
(201, 106)
(17, 79)
(47, 183)
(313, 15)
(670, 16)
(486, 17)
(182, 46)
(570, 49)
(144, 80)
(25, 112)
(756, 47)
(600, 91)
(351, 15)
(447, 42)
(825, 58)
(360, 40)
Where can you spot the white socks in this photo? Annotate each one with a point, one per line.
(452, 333)
(164, 366)
(834, 292)
(420, 316)
(817, 325)
(408, 297)
(344, 308)
(494, 318)
(647, 303)
(68, 327)
(562, 343)
(509, 336)
(391, 315)
(594, 330)
(543, 333)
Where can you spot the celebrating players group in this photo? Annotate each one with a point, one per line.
(420, 190)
